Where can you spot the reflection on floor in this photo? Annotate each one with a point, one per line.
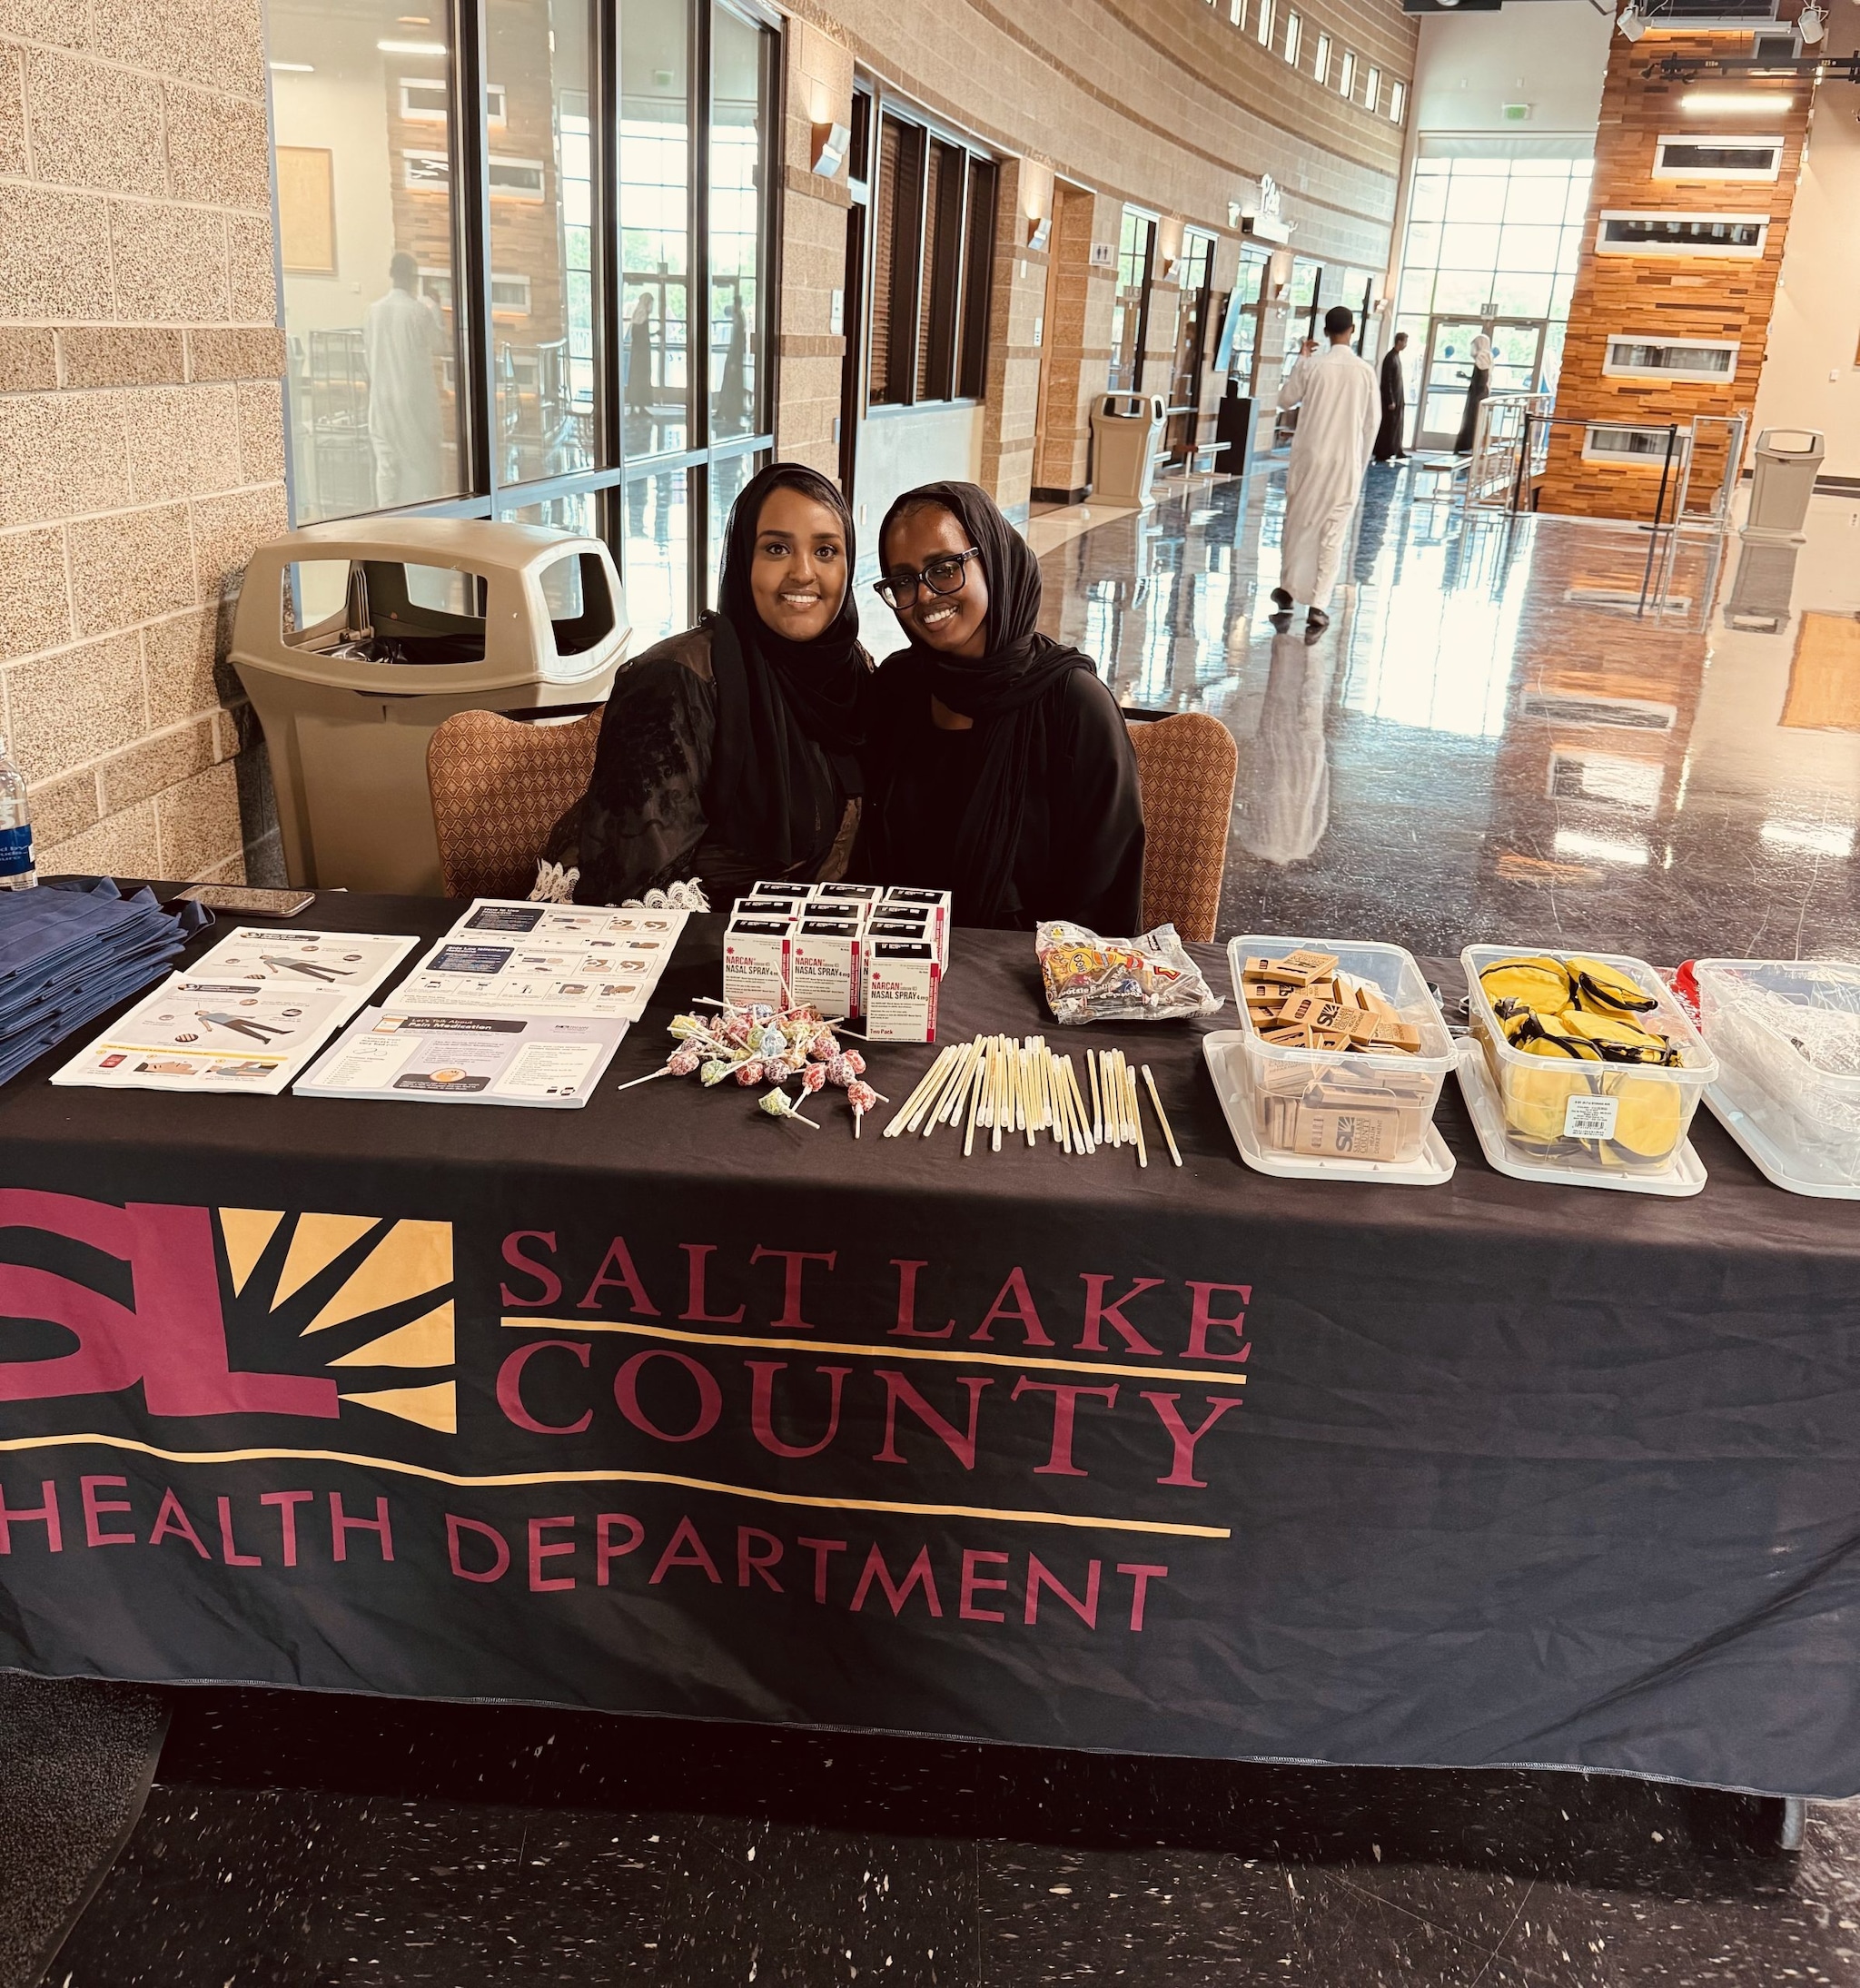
(1529, 733)
(301, 1842)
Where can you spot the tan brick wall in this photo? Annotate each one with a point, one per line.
(141, 429)
(1016, 303)
(818, 88)
(1161, 102)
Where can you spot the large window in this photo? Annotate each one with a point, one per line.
(1492, 238)
(933, 247)
(524, 275)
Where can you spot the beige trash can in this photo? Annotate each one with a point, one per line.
(1788, 461)
(1126, 436)
(356, 641)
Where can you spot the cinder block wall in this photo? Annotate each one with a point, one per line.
(141, 426)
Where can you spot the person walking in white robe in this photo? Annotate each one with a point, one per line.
(402, 336)
(1339, 410)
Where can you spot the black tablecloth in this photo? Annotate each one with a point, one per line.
(661, 1406)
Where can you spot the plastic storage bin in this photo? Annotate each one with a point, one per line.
(1810, 1115)
(1359, 1106)
(1590, 1119)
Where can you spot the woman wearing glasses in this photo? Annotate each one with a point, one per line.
(730, 753)
(1000, 768)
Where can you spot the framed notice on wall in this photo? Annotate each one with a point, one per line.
(307, 210)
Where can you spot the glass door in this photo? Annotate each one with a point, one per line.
(1517, 346)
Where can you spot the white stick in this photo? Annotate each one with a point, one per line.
(645, 1078)
(975, 1100)
(1083, 1115)
(1137, 1119)
(950, 1105)
(1003, 1106)
(1162, 1116)
(931, 1081)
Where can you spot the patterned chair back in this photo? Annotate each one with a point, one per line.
(497, 788)
(1185, 770)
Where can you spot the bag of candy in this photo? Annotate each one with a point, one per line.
(1148, 979)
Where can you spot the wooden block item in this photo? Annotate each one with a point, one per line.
(1305, 967)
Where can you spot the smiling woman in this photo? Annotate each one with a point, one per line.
(729, 753)
(1001, 766)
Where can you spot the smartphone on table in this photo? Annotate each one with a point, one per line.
(247, 902)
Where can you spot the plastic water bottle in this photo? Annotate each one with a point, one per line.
(16, 871)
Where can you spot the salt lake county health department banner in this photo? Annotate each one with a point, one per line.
(1391, 1484)
(453, 1458)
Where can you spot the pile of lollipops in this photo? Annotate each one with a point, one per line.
(756, 1043)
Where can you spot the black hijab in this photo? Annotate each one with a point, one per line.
(789, 713)
(1000, 689)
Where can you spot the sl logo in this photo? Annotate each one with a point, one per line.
(343, 1276)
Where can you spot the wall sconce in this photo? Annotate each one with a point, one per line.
(830, 142)
(1039, 230)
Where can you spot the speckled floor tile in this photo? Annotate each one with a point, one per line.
(322, 1842)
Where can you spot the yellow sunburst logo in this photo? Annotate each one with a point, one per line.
(379, 1289)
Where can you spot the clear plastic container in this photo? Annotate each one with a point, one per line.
(1810, 1114)
(1589, 1118)
(1369, 1106)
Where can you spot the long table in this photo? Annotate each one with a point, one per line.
(660, 1406)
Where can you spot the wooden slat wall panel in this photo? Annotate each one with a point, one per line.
(1664, 296)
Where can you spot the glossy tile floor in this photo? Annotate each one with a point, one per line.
(1522, 734)
(1510, 733)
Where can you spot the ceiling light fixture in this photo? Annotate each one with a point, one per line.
(1735, 103)
(413, 48)
(1812, 22)
(1632, 22)
(292, 68)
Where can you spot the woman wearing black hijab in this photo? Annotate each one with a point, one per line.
(729, 752)
(1000, 766)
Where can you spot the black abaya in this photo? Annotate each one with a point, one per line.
(1034, 812)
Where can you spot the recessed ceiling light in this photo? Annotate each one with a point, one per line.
(412, 48)
(293, 68)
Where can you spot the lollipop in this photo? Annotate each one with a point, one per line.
(681, 1062)
(779, 1104)
(750, 1072)
(714, 1071)
(812, 1076)
(862, 1097)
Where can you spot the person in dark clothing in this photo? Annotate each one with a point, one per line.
(1394, 404)
(999, 766)
(730, 753)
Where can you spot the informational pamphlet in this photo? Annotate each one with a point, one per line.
(507, 957)
(195, 1034)
(353, 963)
(548, 1061)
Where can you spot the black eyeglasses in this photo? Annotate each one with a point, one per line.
(941, 576)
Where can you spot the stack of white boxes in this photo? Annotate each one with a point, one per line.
(854, 951)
